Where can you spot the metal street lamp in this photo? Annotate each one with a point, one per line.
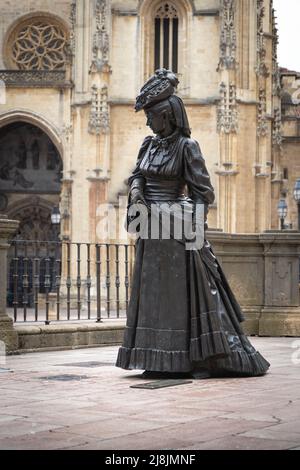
(297, 199)
(282, 212)
(55, 220)
(55, 216)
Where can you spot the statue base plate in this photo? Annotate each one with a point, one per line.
(162, 384)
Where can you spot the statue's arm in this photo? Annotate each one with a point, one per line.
(196, 175)
(197, 178)
(136, 181)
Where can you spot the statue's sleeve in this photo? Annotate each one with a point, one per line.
(137, 179)
(196, 175)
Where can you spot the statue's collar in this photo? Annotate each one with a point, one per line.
(165, 141)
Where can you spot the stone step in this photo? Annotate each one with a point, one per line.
(60, 336)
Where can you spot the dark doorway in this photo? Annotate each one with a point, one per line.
(30, 184)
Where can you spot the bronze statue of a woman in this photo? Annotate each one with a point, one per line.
(183, 318)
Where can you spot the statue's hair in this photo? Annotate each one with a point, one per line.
(179, 112)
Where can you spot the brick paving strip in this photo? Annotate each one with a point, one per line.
(77, 399)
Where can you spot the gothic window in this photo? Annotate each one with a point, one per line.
(166, 37)
(38, 44)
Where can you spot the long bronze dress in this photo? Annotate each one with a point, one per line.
(182, 313)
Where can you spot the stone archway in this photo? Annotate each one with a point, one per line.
(30, 178)
(34, 214)
(30, 186)
(23, 115)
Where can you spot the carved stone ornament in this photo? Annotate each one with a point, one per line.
(27, 78)
(72, 40)
(65, 202)
(277, 128)
(276, 85)
(167, 10)
(99, 116)
(228, 41)
(101, 36)
(262, 126)
(67, 132)
(261, 67)
(227, 115)
(38, 44)
(34, 214)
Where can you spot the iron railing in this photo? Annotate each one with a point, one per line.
(53, 281)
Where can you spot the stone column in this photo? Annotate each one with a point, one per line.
(281, 312)
(7, 333)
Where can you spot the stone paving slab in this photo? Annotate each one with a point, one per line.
(103, 412)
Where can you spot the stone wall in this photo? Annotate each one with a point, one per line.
(228, 76)
(290, 163)
(263, 272)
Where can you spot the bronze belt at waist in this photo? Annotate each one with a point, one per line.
(163, 190)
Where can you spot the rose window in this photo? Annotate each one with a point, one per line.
(39, 45)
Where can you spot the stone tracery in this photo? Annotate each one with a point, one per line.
(227, 116)
(39, 44)
(167, 10)
(228, 39)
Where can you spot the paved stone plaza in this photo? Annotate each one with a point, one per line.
(42, 409)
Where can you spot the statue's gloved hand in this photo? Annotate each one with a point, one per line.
(200, 217)
(137, 197)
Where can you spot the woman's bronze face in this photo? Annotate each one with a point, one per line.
(159, 119)
(156, 121)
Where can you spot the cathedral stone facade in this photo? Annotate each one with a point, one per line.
(69, 75)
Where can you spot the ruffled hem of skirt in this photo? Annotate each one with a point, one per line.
(209, 345)
(154, 360)
(239, 363)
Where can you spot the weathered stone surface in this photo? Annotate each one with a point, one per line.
(69, 336)
(103, 412)
(7, 333)
(281, 254)
(263, 272)
(280, 322)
